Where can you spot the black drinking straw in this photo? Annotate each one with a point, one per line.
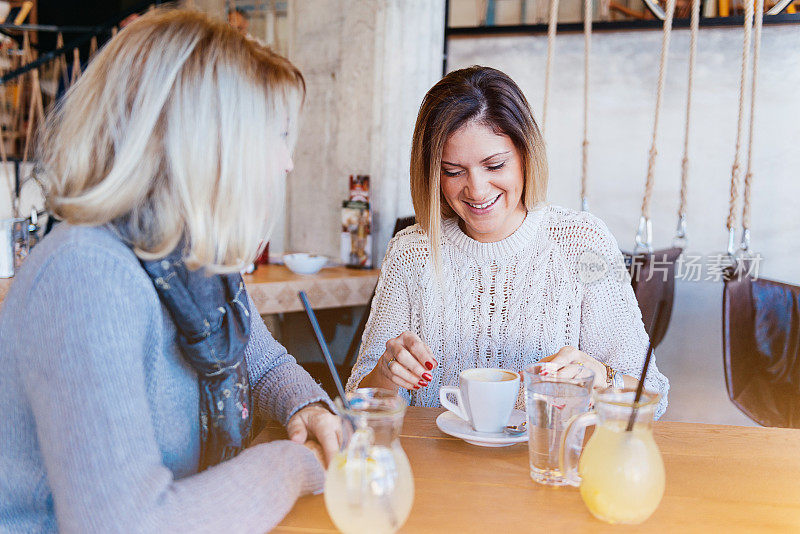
(324, 346)
(657, 329)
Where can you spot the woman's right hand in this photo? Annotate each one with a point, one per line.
(406, 362)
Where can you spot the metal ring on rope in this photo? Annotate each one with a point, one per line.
(681, 240)
(644, 236)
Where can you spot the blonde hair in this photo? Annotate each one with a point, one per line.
(172, 135)
(475, 94)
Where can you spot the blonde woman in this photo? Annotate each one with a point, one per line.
(489, 277)
(133, 360)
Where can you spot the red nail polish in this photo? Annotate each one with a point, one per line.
(422, 383)
(428, 366)
(416, 387)
(427, 376)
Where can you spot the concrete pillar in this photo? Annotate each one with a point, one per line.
(367, 65)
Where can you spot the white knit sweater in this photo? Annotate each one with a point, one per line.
(509, 303)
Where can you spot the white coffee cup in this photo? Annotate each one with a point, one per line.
(485, 397)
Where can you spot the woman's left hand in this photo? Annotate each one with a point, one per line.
(317, 422)
(571, 356)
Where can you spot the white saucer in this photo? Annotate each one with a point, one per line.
(451, 424)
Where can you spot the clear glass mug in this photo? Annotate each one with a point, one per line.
(553, 394)
(620, 472)
(369, 486)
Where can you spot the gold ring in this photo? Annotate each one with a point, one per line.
(389, 363)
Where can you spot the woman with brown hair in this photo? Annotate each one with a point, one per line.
(492, 275)
(133, 360)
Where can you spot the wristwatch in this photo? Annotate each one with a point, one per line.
(614, 378)
(619, 382)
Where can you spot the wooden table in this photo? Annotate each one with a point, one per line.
(274, 288)
(719, 479)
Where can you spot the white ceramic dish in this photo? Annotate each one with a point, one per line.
(451, 424)
(304, 263)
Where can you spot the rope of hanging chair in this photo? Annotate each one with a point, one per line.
(587, 48)
(748, 177)
(662, 72)
(551, 45)
(695, 26)
(735, 171)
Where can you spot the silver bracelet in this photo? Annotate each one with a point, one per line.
(618, 382)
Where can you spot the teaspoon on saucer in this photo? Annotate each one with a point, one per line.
(516, 430)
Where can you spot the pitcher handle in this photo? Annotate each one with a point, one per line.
(572, 446)
(455, 408)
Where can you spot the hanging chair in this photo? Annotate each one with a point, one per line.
(761, 348)
(653, 281)
(760, 317)
(652, 271)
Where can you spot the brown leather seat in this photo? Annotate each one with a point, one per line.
(653, 280)
(761, 348)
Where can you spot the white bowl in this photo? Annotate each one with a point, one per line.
(304, 263)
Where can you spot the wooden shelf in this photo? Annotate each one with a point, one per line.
(605, 26)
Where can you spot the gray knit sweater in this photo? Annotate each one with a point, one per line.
(99, 423)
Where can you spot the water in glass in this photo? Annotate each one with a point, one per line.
(552, 397)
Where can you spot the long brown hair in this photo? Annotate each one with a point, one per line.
(474, 94)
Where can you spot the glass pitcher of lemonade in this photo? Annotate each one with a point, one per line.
(620, 472)
(369, 487)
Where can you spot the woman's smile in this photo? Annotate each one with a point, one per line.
(482, 208)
